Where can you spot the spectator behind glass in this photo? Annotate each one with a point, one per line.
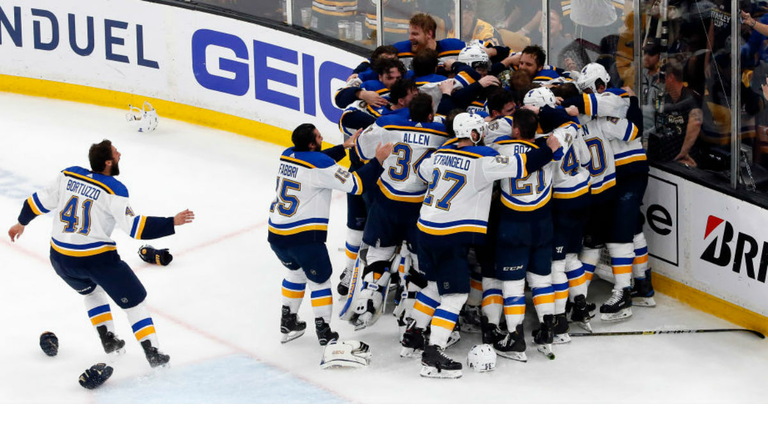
(678, 126)
(651, 88)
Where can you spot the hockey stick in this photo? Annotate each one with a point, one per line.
(657, 332)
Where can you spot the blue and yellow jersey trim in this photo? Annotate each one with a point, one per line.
(590, 104)
(454, 227)
(571, 192)
(36, 206)
(513, 203)
(628, 157)
(459, 152)
(357, 188)
(396, 195)
(415, 129)
(84, 250)
(465, 79)
(297, 161)
(631, 133)
(313, 224)
(138, 226)
(603, 185)
(89, 181)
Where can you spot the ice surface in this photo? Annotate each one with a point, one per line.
(217, 306)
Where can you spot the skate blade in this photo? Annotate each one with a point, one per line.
(287, 337)
(618, 316)
(432, 372)
(546, 350)
(585, 325)
(117, 353)
(643, 301)
(410, 352)
(516, 356)
(453, 339)
(561, 339)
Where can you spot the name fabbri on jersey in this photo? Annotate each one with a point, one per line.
(83, 189)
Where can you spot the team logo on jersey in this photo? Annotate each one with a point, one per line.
(746, 252)
(129, 212)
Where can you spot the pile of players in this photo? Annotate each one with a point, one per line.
(504, 171)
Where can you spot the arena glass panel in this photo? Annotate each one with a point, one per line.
(269, 9)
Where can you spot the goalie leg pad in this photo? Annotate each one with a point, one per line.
(350, 353)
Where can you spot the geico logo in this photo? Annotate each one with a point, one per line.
(47, 32)
(222, 62)
(659, 219)
(745, 252)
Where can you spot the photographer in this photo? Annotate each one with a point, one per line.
(678, 126)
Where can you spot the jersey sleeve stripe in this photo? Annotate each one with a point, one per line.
(33, 206)
(358, 187)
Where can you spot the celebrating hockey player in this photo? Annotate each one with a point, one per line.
(298, 223)
(453, 216)
(88, 205)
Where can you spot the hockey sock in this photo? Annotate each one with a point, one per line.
(354, 240)
(97, 305)
(141, 324)
(577, 280)
(445, 318)
(293, 289)
(492, 300)
(514, 302)
(543, 294)
(640, 264)
(589, 258)
(560, 285)
(427, 300)
(322, 299)
(476, 289)
(622, 255)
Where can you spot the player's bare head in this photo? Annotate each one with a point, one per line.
(421, 108)
(384, 51)
(402, 91)
(305, 138)
(520, 80)
(388, 70)
(525, 124)
(101, 156)
(421, 31)
(532, 60)
(425, 62)
(449, 121)
(566, 90)
(501, 102)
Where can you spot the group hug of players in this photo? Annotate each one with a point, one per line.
(464, 186)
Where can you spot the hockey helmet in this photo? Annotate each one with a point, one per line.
(482, 358)
(474, 56)
(465, 123)
(539, 97)
(590, 74)
(145, 118)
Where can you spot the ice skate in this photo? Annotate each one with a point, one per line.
(581, 312)
(324, 333)
(413, 340)
(491, 333)
(290, 326)
(642, 292)
(343, 287)
(110, 342)
(560, 330)
(455, 336)
(543, 337)
(470, 319)
(435, 364)
(154, 356)
(512, 346)
(618, 307)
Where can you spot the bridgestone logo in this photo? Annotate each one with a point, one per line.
(745, 254)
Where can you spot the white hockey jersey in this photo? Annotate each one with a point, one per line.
(598, 135)
(612, 105)
(414, 142)
(529, 193)
(299, 212)
(460, 181)
(499, 127)
(87, 207)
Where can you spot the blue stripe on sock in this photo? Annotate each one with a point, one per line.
(146, 322)
(98, 310)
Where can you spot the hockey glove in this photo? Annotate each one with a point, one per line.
(49, 343)
(95, 376)
(155, 256)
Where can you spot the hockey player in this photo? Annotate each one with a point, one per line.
(532, 60)
(421, 35)
(453, 216)
(473, 81)
(375, 93)
(524, 243)
(393, 215)
(501, 106)
(298, 224)
(88, 205)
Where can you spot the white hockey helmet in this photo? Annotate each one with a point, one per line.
(144, 119)
(482, 358)
(464, 123)
(539, 97)
(474, 56)
(590, 74)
